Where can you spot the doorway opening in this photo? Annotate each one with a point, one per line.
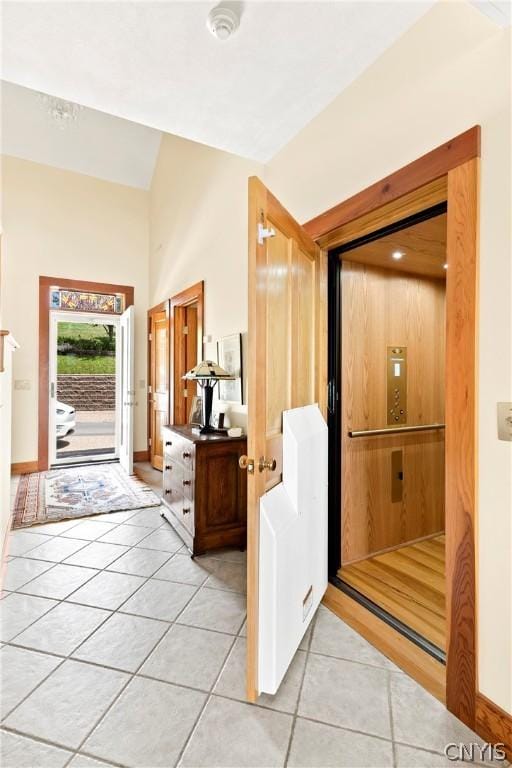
(387, 453)
(83, 297)
(84, 396)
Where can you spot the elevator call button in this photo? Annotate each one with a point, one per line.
(397, 385)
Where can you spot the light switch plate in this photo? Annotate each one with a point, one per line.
(22, 384)
(505, 421)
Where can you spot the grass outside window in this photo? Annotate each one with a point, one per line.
(88, 364)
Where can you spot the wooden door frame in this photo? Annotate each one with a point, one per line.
(450, 171)
(45, 283)
(164, 306)
(192, 295)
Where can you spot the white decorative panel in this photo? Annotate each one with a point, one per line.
(293, 544)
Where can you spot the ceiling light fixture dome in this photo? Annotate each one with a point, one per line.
(222, 22)
(60, 112)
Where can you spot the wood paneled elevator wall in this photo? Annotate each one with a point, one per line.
(383, 308)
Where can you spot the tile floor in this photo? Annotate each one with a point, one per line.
(119, 650)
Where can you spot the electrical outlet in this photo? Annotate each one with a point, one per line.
(22, 384)
(505, 421)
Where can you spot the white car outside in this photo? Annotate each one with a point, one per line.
(64, 418)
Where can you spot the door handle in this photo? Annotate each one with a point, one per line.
(331, 396)
(244, 462)
(266, 464)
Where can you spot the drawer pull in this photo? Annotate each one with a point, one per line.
(186, 482)
(168, 443)
(168, 466)
(186, 510)
(186, 455)
(168, 490)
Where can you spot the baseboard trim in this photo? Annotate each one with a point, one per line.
(493, 724)
(24, 467)
(417, 663)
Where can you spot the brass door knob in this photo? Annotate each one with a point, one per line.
(244, 462)
(267, 464)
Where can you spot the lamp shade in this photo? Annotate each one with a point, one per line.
(207, 369)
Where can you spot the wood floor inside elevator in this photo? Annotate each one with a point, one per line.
(409, 583)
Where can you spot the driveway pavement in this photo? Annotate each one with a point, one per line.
(94, 431)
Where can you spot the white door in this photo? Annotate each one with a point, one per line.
(127, 389)
(52, 409)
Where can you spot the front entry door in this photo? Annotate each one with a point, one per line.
(127, 389)
(158, 396)
(287, 366)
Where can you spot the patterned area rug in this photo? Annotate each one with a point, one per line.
(58, 494)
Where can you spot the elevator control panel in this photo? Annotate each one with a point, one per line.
(397, 385)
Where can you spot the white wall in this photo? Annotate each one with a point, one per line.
(448, 73)
(64, 224)
(198, 231)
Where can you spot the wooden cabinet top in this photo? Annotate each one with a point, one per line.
(212, 437)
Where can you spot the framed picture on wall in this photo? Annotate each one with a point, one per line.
(229, 351)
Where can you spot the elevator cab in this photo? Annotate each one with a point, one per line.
(387, 419)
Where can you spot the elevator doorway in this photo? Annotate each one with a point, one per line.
(387, 354)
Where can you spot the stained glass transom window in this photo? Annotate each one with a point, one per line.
(82, 301)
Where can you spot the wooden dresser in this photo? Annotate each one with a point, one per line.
(204, 490)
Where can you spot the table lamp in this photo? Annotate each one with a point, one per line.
(207, 374)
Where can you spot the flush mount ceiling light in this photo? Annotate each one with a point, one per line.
(61, 112)
(222, 22)
(397, 255)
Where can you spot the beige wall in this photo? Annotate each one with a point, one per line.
(449, 72)
(198, 231)
(64, 224)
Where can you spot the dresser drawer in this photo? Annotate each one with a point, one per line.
(172, 496)
(168, 439)
(187, 484)
(173, 474)
(187, 514)
(180, 451)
